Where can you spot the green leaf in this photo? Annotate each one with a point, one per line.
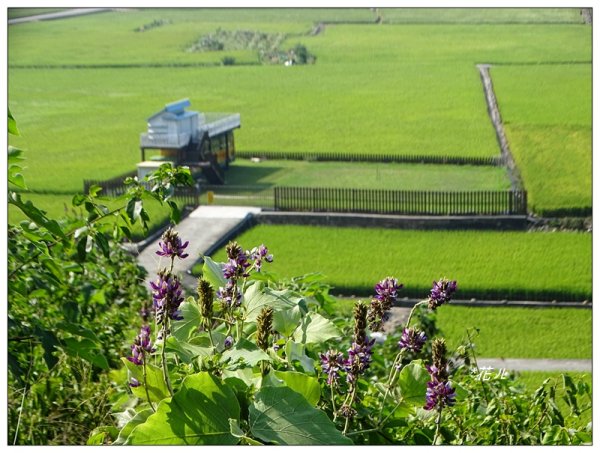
(102, 244)
(187, 352)
(98, 435)
(213, 273)
(257, 297)
(36, 215)
(157, 389)
(198, 414)
(316, 329)
(286, 321)
(133, 209)
(175, 213)
(245, 351)
(12, 125)
(138, 419)
(236, 431)
(412, 381)
(76, 329)
(296, 352)
(87, 350)
(191, 320)
(281, 416)
(307, 386)
(78, 199)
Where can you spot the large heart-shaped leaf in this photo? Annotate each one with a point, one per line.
(190, 312)
(307, 386)
(413, 381)
(198, 414)
(316, 329)
(257, 297)
(296, 352)
(281, 416)
(245, 351)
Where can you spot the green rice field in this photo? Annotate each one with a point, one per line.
(516, 332)
(361, 175)
(548, 121)
(486, 264)
(366, 93)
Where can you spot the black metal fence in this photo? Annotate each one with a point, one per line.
(404, 202)
(368, 157)
(318, 199)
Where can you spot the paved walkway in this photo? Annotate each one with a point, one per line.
(57, 15)
(203, 228)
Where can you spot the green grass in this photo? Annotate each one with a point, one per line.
(547, 117)
(502, 265)
(367, 175)
(515, 332)
(481, 15)
(76, 41)
(452, 44)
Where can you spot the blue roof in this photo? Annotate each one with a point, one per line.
(178, 107)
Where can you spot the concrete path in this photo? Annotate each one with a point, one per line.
(72, 12)
(203, 228)
(536, 364)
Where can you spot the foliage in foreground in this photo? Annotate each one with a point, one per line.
(72, 291)
(254, 360)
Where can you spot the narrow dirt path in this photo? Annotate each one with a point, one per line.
(490, 98)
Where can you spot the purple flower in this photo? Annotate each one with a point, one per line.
(387, 290)
(439, 394)
(167, 295)
(229, 295)
(260, 253)
(133, 382)
(359, 359)
(332, 362)
(412, 340)
(386, 294)
(228, 343)
(237, 267)
(441, 292)
(171, 245)
(141, 345)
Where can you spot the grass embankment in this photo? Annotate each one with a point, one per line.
(486, 264)
(547, 112)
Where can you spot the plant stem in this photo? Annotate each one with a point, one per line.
(24, 392)
(438, 422)
(333, 403)
(349, 403)
(146, 384)
(164, 358)
(392, 376)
